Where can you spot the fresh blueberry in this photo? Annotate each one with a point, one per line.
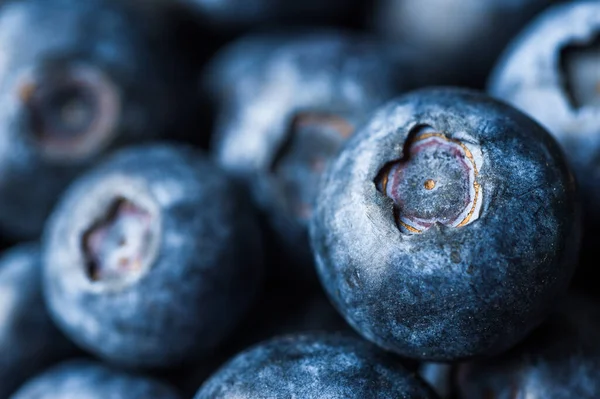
(561, 360)
(314, 366)
(152, 258)
(77, 79)
(447, 226)
(552, 72)
(287, 105)
(461, 38)
(85, 379)
(29, 342)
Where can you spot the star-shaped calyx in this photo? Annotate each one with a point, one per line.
(434, 182)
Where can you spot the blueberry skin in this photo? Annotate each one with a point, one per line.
(152, 258)
(560, 360)
(29, 342)
(286, 104)
(460, 37)
(101, 60)
(419, 283)
(90, 380)
(314, 366)
(551, 72)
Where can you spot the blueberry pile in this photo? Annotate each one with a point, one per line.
(322, 199)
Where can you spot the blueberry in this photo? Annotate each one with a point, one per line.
(89, 380)
(78, 79)
(447, 226)
(314, 366)
(152, 258)
(461, 38)
(28, 339)
(551, 71)
(561, 360)
(287, 105)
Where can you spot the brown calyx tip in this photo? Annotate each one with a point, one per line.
(429, 184)
(332, 121)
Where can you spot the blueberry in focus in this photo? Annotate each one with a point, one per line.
(29, 342)
(447, 226)
(560, 360)
(89, 380)
(78, 79)
(552, 72)
(152, 258)
(287, 103)
(314, 366)
(460, 38)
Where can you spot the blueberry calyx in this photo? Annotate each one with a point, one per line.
(435, 182)
(116, 245)
(72, 109)
(312, 139)
(579, 65)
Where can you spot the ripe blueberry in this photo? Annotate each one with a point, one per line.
(447, 226)
(152, 258)
(86, 379)
(314, 366)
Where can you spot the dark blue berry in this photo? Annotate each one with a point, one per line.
(447, 226)
(314, 366)
(89, 380)
(152, 258)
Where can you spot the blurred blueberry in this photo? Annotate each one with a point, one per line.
(84, 379)
(287, 103)
(561, 360)
(152, 258)
(552, 72)
(461, 38)
(29, 342)
(314, 366)
(447, 226)
(77, 78)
